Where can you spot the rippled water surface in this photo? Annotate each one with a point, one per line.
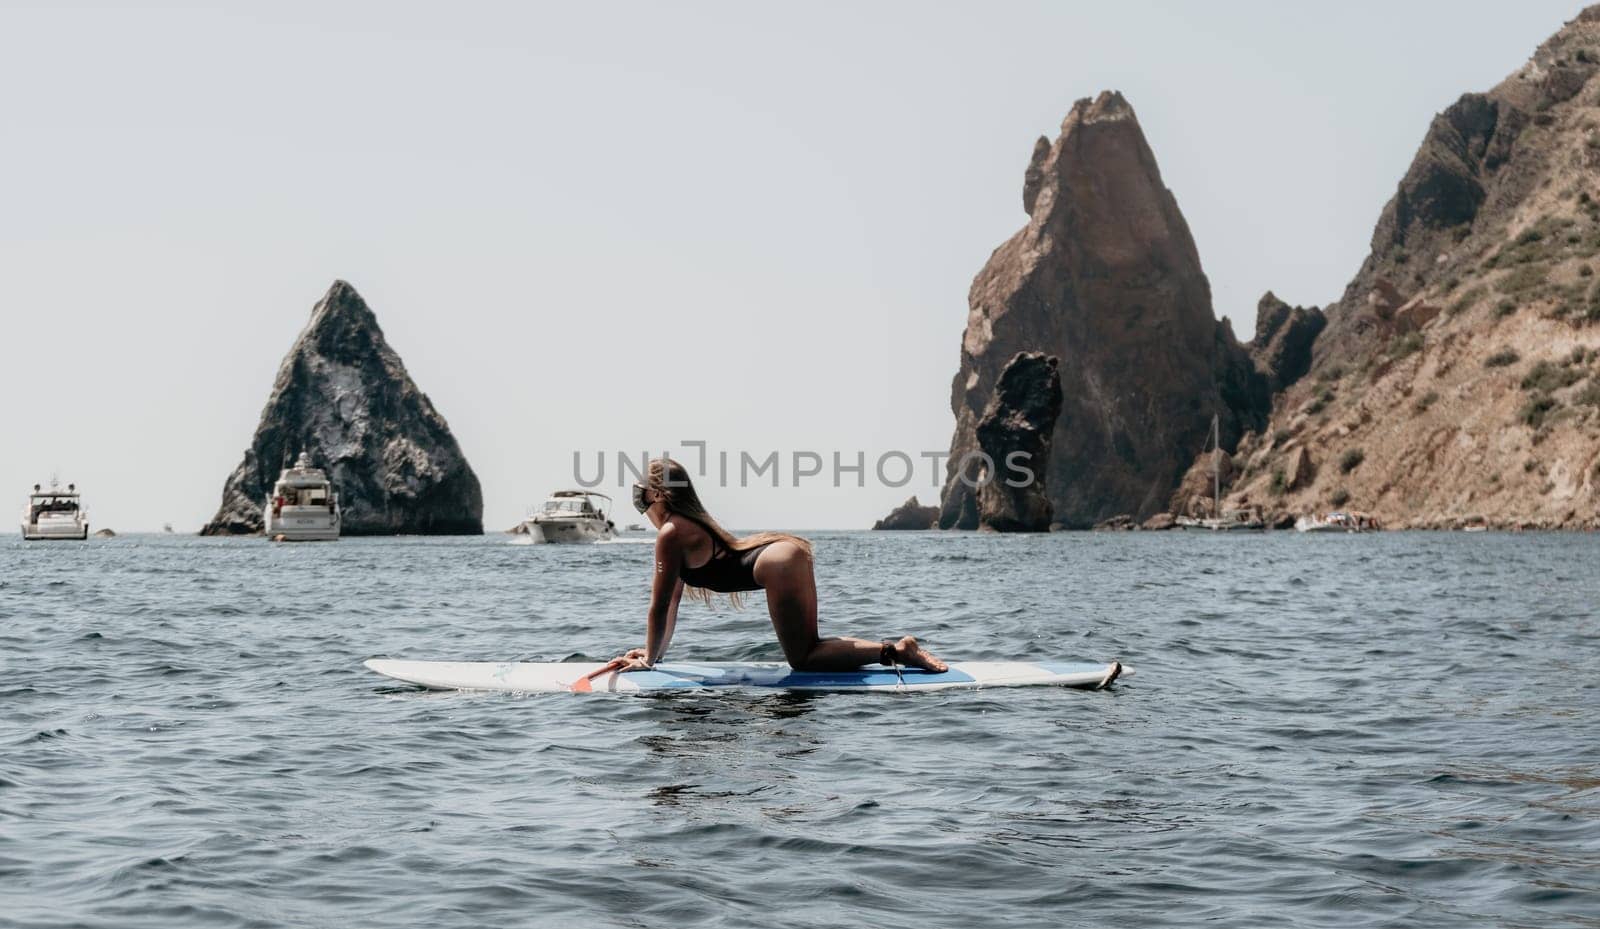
(1380, 730)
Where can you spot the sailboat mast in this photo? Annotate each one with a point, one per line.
(1216, 469)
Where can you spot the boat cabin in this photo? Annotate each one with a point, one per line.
(302, 486)
(52, 501)
(572, 503)
(303, 494)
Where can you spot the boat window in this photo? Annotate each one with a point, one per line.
(300, 494)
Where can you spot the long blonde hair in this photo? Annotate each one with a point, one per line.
(671, 480)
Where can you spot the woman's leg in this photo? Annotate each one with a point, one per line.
(784, 570)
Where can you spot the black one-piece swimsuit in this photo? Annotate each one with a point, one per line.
(726, 571)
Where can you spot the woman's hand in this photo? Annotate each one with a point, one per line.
(634, 660)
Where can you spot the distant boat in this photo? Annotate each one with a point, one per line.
(1336, 522)
(1220, 520)
(571, 516)
(1235, 520)
(55, 515)
(303, 506)
(166, 527)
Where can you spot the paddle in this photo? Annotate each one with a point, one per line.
(582, 685)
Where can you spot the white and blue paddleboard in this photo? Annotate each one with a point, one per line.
(552, 677)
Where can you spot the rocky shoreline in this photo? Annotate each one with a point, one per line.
(1284, 521)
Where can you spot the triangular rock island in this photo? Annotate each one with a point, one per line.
(342, 395)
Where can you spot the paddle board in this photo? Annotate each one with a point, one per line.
(547, 677)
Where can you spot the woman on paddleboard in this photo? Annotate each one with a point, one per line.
(693, 551)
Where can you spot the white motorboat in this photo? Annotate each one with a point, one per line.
(1335, 522)
(303, 506)
(55, 514)
(571, 516)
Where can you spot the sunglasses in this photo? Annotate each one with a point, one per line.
(639, 502)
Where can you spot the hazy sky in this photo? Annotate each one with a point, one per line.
(623, 226)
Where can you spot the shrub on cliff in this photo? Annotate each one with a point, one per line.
(1406, 345)
(1533, 412)
(1545, 377)
(1466, 300)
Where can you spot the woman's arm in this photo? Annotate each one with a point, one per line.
(666, 590)
(656, 647)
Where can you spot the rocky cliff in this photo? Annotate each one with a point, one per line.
(1014, 433)
(1284, 339)
(1458, 378)
(343, 395)
(1105, 277)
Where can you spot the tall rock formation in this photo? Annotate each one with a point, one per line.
(343, 395)
(1458, 378)
(1014, 434)
(1105, 277)
(1284, 338)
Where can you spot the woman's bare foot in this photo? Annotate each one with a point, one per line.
(912, 655)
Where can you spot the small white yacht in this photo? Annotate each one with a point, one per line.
(1335, 522)
(571, 516)
(1235, 520)
(54, 514)
(303, 506)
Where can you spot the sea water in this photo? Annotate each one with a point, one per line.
(1376, 730)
